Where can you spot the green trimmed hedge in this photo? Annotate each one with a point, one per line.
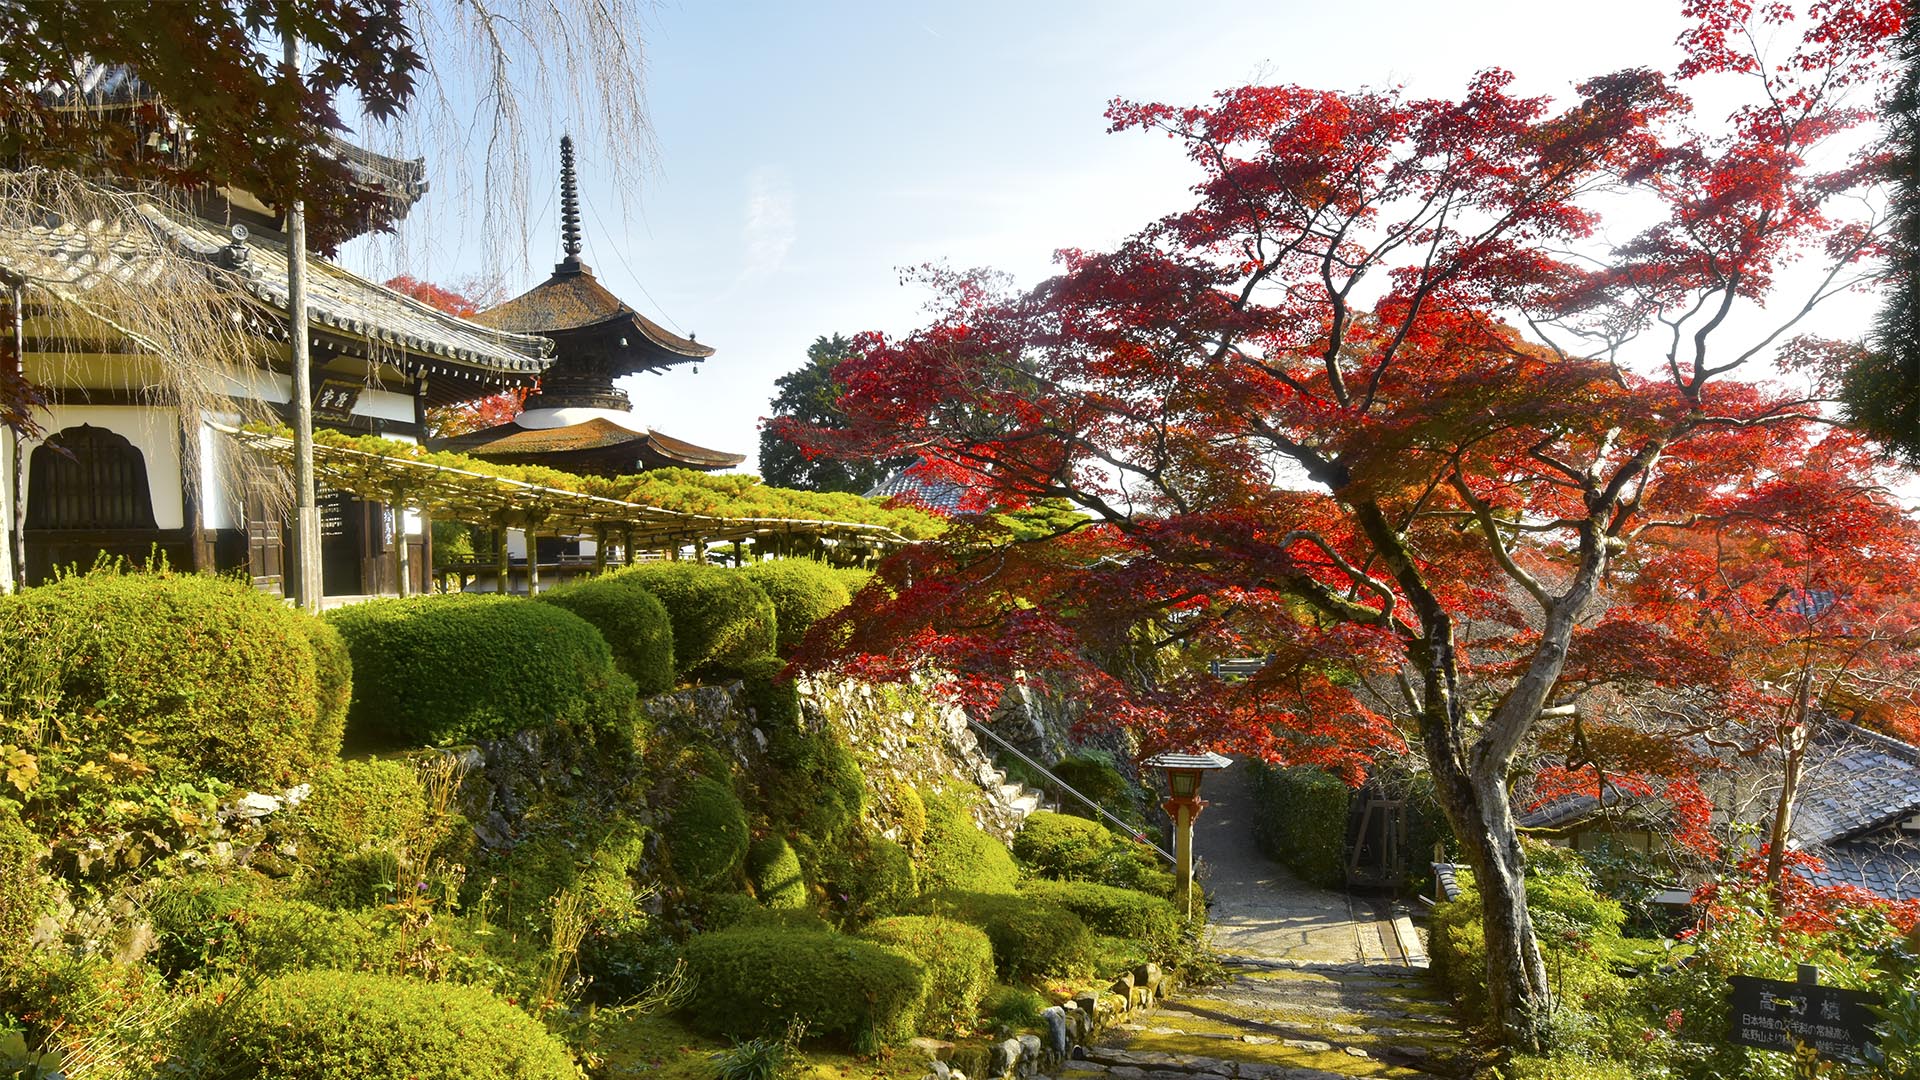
(957, 857)
(959, 960)
(440, 670)
(334, 1025)
(333, 686)
(803, 592)
(1032, 938)
(1075, 849)
(193, 675)
(24, 896)
(633, 621)
(721, 619)
(1300, 820)
(208, 924)
(1120, 912)
(752, 980)
(707, 834)
(775, 872)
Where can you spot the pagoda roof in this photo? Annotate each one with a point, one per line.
(589, 438)
(574, 300)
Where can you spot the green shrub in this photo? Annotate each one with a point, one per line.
(439, 670)
(775, 872)
(1565, 1067)
(345, 1026)
(633, 621)
(707, 834)
(852, 578)
(1032, 939)
(959, 961)
(1076, 849)
(209, 924)
(361, 804)
(720, 617)
(883, 881)
(908, 811)
(593, 858)
(192, 675)
(803, 592)
(1300, 820)
(1122, 912)
(24, 897)
(1010, 1010)
(959, 857)
(775, 701)
(333, 686)
(751, 980)
(1092, 773)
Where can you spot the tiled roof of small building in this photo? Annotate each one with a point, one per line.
(75, 259)
(1887, 863)
(1862, 781)
(942, 496)
(573, 299)
(510, 439)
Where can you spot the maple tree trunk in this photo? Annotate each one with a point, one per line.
(1782, 829)
(1518, 997)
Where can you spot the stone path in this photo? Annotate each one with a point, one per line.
(1319, 986)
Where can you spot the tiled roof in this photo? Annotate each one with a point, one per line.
(1859, 781)
(1887, 863)
(941, 496)
(1204, 760)
(72, 260)
(1446, 881)
(510, 439)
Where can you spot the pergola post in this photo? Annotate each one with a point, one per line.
(599, 549)
(700, 550)
(626, 545)
(673, 549)
(402, 564)
(533, 560)
(502, 569)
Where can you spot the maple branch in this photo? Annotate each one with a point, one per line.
(1483, 513)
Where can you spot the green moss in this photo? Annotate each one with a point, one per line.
(957, 856)
(774, 870)
(959, 960)
(192, 675)
(440, 670)
(707, 834)
(24, 896)
(633, 621)
(803, 592)
(348, 1026)
(752, 980)
(721, 619)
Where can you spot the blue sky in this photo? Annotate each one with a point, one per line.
(808, 152)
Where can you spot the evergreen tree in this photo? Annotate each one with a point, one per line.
(1882, 390)
(807, 395)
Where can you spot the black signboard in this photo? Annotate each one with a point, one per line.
(334, 399)
(1773, 1014)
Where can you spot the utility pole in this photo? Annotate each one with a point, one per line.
(306, 510)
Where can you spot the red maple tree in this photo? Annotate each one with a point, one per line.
(1380, 407)
(446, 421)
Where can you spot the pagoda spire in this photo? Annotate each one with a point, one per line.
(569, 203)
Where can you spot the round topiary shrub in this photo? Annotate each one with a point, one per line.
(957, 856)
(1076, 849)
(959, 961)
(632, 620)
(1032, 939)
(193, 676)
(439, 670)
(721, 619)
(354, 827)
(803, 592)
(707, 834)
(1120, 912)
(336, 1025)
(775, 872)
(883, 880)
(752, 980)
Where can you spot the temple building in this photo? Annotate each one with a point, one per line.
(577, 420)
(121, 467)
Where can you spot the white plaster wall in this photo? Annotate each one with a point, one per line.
(154, 432)
(384, 405)
(220, 503)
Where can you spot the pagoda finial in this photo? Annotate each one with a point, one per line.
(569, 202)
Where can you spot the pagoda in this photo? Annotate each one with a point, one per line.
(577, 420)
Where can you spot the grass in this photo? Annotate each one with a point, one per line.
(660, 1047)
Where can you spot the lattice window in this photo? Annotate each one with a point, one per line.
(88, 478)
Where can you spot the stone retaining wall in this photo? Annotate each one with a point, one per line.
(1072, 1027)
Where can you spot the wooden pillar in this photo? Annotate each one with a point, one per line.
(502, 569)
(533, 559)
(427, 580)
(673, 549)
(402, 568)
(700, 550)
(626, 545)
(599, 549)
